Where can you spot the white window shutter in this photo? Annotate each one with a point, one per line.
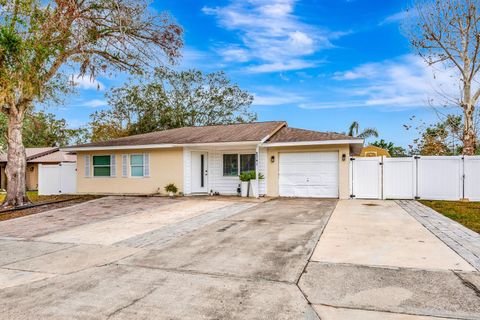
(146, 165)
(113, 166)
(124, 165)
(86, 160)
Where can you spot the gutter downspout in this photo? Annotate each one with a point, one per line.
(257, 152)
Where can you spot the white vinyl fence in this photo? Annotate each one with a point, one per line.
(419, 177)
(57, 178)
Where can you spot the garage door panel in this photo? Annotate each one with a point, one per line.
(293, 190)
(323, 180)
(322, 191)
(292, 179)
(308, 174)
(324, 156)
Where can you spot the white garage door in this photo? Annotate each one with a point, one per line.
(308, 174)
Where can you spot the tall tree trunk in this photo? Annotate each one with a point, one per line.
(16, 163)
(469, 135)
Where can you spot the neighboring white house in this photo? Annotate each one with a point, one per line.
(36, 157)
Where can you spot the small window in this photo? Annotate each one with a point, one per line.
(230, 164)
(136, 165)
(101, 166)
(247, 162)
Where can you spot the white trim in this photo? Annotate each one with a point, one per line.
(284, 124)
(113, 165)
(146, 165)
(311, 143)
(87, 168)
(216, 144)
(125, 166)
(158, 146)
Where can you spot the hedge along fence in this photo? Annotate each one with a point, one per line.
(419, 177)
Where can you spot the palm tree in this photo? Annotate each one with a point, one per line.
(365, 134)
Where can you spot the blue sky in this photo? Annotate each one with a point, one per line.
(318, 64)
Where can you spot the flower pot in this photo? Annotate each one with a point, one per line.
(170, 194)
(244, 187)
(253, 188)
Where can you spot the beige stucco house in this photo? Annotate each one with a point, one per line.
(35, 157)
(209, 159)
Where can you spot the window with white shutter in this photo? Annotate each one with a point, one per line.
(124, 165)
(86, 160)
(113, 165)
(146, 164)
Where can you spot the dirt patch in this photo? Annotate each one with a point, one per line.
(370, 204)
(40, 207)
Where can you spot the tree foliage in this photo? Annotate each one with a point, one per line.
(353, 131)
(39, 40)
(42, 129)
(440, 139)
(172, 99)
(395, 151)
(447, 33)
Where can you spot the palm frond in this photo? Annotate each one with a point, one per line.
(368, 132)
(353, 129)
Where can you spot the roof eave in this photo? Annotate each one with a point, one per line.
(312, 143)
(271, 134)
(159, 146)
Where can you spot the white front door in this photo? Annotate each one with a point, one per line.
(308, 174)
(199, 172)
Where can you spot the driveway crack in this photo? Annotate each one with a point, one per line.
(468, 284)
(134, 301)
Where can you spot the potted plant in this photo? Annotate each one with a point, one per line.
(245, 183)
(171, 189)
(245, 178)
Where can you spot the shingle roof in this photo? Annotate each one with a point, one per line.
(44, 155)
(255, 131)
(288, 134)
(277, 131)
(30, 152)
(55, 157)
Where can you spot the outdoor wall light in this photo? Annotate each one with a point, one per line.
(344, 157)
(272, 159)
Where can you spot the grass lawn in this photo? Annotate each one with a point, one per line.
(34, 197)
(466, 213)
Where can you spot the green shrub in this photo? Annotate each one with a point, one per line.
(171, 187)
(250, 175)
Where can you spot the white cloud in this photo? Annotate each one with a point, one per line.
(274, 96)
(275, 100)
(94, 103)
(398, 17)
(281, 66)
(270, 33)
(404, 82)
(234, 53)
(86, 82)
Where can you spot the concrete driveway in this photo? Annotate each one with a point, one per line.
(228, 258)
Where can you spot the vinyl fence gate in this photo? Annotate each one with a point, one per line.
(419, 177)
(57, 178)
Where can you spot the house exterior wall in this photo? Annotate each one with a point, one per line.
(166, 166)
(372, 151)
(216, 181)
(31, 178)
(343, 170)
